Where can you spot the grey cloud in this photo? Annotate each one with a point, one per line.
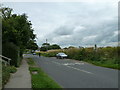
(104, 33)
(86, 27)
(64, 30)
(75, 24)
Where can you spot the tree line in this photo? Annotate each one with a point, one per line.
(47, 46)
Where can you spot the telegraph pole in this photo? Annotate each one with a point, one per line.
(46, 40)
(95, 47)
(46, 45)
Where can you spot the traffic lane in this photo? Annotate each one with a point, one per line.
(85, 65)
(100, 71)
(81, 63)
(105, 73)
(66, 75)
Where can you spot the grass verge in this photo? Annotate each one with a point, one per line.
(39, 78)
(104, 64)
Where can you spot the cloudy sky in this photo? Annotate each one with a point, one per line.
(72, 23)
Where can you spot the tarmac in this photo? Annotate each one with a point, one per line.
(20, 79)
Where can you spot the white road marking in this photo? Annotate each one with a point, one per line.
(72, 67)
(80, 70)
(68, 64)
(56, 63)
(73, 63)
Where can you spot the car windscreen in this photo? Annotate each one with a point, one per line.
(61, 53)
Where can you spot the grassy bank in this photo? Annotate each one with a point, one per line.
(106, 64)
(39, 78)
(103, 56)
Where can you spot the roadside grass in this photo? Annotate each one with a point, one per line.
(106, 64)
(30, 62)
(6, 70)
(39, 78)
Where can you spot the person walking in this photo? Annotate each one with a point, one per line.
(39, 54)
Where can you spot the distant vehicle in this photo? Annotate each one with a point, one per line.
(61, 55)
(34, 53)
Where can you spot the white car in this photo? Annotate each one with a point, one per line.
(34, 53)
(61, 55)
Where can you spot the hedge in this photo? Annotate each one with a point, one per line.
(10, 50)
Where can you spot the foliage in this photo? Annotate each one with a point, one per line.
(71, 47)
(12, 69)
(16, 29)
(55, 46)
(47, 46)
(6, 70)
(51, 53)
(32, 45)
(11, 51)
(43, 48)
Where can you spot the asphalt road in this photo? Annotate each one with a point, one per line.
(77, 74)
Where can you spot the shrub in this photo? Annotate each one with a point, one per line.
(5, 75)
(6, 70)
(12, 69)
(10, 50)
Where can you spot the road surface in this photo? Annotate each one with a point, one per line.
(77, 74)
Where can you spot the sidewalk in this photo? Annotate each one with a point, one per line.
(20, 79)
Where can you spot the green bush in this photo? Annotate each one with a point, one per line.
(12, 69)
(11, 51)
(49, 54)
(6, 70)
(5, 75)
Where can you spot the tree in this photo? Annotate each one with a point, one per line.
(43, 49)
(6, 12)
(71, 47)
(55, 46)
(45, 44)
(17, 29)
(65, 48)
(32, 45)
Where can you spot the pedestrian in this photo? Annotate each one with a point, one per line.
(39, 54)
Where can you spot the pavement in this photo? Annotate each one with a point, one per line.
(20, 79)
(77, 74)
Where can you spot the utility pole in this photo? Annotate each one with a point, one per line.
(95, 47)
(46, 40)
(46, 45)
